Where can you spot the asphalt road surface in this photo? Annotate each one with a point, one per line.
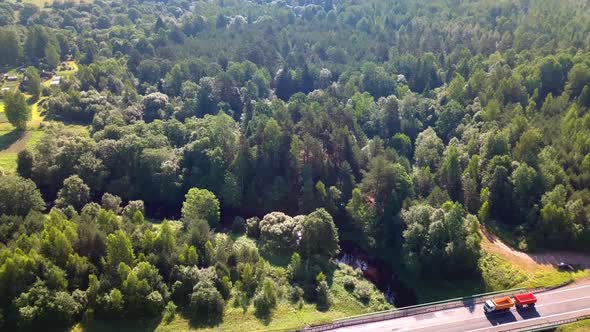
(553, 306)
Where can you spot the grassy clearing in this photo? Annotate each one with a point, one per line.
(497, 273)
(10, 146)
(73, 69)
(8, 162)
(580, 326)
(10, 85)
(2, 114)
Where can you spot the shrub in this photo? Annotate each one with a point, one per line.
(253, 227)
(349, 283)
(246, 251)
(207, 304)
(278, 232)
(266, 298)
(154, 303)
(239, 225)
(322, 292)
(363, 292)
(169, 312)
(295, 294)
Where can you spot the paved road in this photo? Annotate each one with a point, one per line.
(553, 306)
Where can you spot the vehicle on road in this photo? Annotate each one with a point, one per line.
(525, 300)
(499, 304)
(505, 303)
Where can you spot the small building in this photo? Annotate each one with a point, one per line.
(12, 78)
(55, 81)
(46, 74)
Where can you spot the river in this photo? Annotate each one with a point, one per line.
(379, 273)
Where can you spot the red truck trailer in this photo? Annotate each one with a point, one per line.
(525, 300)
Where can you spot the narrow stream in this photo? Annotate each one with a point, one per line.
(379, 273)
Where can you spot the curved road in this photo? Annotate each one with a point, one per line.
(552, 307)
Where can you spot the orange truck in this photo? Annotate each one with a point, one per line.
(499, 304)
(505, 303)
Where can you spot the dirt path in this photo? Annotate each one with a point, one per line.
(20, 144)
(492, 244)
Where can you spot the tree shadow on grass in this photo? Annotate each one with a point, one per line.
(206, 320)
(9, 138)
(128, 325)
(264, 316)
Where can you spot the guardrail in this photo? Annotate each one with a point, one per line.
(424, 308)
(414, 310)
(547, 325)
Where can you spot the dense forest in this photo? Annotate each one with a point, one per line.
(402, 126)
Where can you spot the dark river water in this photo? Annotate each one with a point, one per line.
(379, 273)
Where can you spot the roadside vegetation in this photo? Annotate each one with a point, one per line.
(580, 326)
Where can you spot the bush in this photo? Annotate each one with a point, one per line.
(169, 312)
(363, 292)
(239, 225)
(225, 287)
(278, 232)
(111, 202)
(295, 294)
(253, 227)
(349, 283)
(40, 307)
(207, 304)
(154, 303)
(246, 251)
(266, 298)
(111, 305)
(133, 207)
(322, 292)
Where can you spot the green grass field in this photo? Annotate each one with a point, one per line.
(496, 274)
(580, 326)
(7, 139)
(2, 115)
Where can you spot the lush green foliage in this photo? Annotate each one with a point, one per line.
(405, 123)
(16, 109)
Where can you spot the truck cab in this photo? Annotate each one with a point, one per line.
(489, 306)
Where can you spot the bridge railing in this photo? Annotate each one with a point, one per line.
(543, 326)
(472, 300)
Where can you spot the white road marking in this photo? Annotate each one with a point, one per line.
(566, 290)
(497, 314)
(405, 328)
(528, 320)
